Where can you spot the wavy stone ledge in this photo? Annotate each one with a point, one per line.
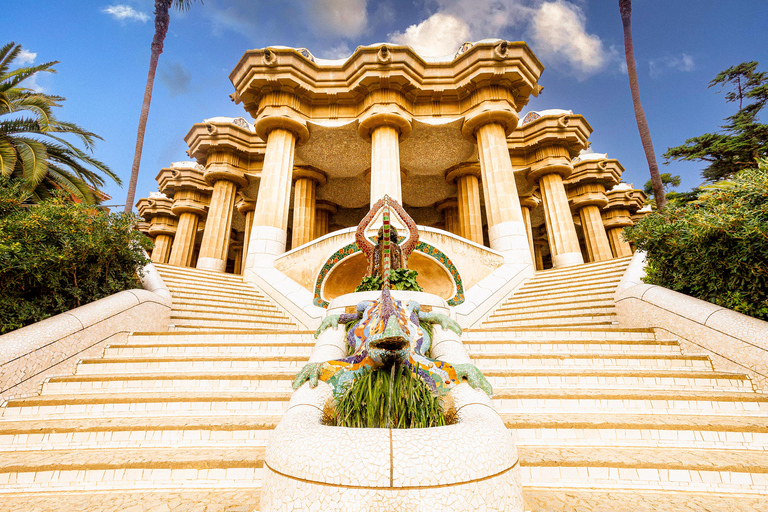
(54, 345)
(735, 342)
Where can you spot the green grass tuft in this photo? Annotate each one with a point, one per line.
(366, 403)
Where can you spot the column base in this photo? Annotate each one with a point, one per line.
(567, 259)
(212, 264)
(511, 239)
(265, 245)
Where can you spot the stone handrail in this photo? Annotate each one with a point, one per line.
(734, 342)
(54, 346)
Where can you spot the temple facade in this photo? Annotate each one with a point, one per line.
(445, 138)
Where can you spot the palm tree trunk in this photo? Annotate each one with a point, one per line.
(625, 7)
(162, 19)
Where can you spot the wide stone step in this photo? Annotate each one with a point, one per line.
(548, 380)
(571, 320)
(88, 406)
(188, 350)
(165, 268)
(183, 285)
(502, 360)
(253, 337)
(549, 303)
(642, 489)
(225, 363)
(264, 381)
(522, 314)
(600, 285)
(138, 496)
(230, 314)
(487, 335)
(615, 264)
(202, 276)
(247, 295)
(634, 401)
(575, 347)
(215, 322)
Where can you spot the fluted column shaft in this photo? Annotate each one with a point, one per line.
(615, 220)
(247, 236)
(304, 190)
(452, 223)
(506, 229)
(470, 220)
(385, 164)
(215, 245)
(270, 221)
(184, 242)
(322, 220)
(563, 241)
(619, 247)
(598, 246)
(162, 249)
(528, 229)
(538, 256)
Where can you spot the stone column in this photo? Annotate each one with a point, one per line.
(385, 126)
(551, 164)
(589, 198)
(161, 225)
(270, 222)
(189, 205)
(323, 212)
(246, 208)
(623, 202)
(304, 201)
(538, 245)
(450, 209)
(528, 204)
(467, 179)
(488, 125)
(222, 172)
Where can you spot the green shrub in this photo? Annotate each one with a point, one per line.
(366, 403)
(59, 255)
(399, 279)
(715, 248)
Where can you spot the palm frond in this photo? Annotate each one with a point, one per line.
(32, 157)
(8, 157)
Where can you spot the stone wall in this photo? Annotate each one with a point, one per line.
(54, 346)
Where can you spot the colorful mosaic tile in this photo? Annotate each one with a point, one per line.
(350, 249)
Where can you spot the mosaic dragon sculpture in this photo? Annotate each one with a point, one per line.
(386, 331)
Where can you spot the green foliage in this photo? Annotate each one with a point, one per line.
(667, 181)
(59, 255)
(715, 248)
(367, 404)
(33, 147)
(399, 279)
(743, 140)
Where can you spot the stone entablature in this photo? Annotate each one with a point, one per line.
(284, 77)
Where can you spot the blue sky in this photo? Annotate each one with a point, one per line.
(103, 49)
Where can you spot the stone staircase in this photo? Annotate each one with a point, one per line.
(605, 418)
(204, 300)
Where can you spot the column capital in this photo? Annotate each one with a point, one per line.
(309, 173)
(451, 202)
(281, 117)
(530, 201)
(464, 169)
(326, 206)
(489, 111)
(189, 205)
(158, 214)
(549, 164)
(218, 172)
(245, 205)
(385, 115)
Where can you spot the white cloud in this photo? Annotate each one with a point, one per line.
(343, 18)
(125, 13)
(558, 31)
(438, 35)
(26, 57)
(683, 63)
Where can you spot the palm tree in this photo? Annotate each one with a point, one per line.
(625, 7)
(32, 148)
(162, 20)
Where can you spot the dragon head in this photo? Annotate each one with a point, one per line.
(392, 331)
